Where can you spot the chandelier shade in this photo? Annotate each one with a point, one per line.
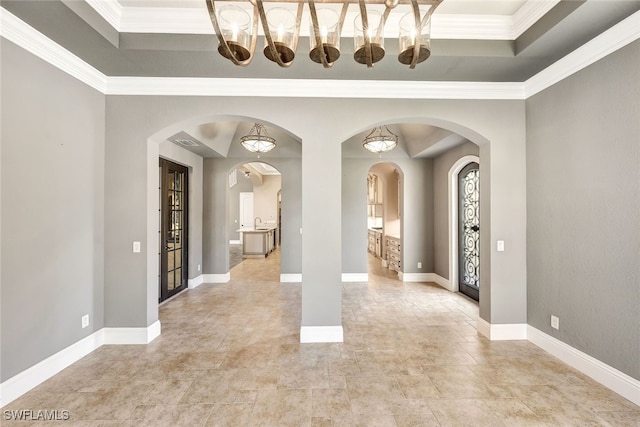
(379, 141)
(237, 30)
(257, 140)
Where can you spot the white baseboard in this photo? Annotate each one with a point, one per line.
(502, 332)
(21, 383)
(425, 277)
(132, 335)
(291, 278)
(216, 278)
(319, 334)
(26, 380)
(235, 242)
(619, 382)
(355, 277)
(195, 282)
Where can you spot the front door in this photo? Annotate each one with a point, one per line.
(173, 229)
(469, 230)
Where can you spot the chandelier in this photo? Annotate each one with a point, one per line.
(379, 142)
(237, 30)
(257, 140)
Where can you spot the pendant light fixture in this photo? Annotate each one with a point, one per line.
(257, 140)
(380, 141)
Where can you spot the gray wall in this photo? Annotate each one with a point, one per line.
(441, 167)
(52, 209)
(497, 126)
(583, 205)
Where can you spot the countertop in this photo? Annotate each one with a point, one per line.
(264, 228)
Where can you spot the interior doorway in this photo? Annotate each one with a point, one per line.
(173, 229)
(469, 230)
(384, 216)
(255, 215)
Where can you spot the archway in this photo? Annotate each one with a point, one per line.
(254, 202)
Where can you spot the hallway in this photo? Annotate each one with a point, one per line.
(229, 354)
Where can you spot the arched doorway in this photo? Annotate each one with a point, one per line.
(384, 220)
(254, 219)
(469, 230)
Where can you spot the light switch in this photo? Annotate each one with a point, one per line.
(136, 247)
(500, 245)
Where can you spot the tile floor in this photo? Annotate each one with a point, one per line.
(229, 356)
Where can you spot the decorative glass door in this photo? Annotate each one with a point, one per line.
(173, 230)
(469, 230)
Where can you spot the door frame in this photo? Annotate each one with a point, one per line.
(453, 219)
(163, 231)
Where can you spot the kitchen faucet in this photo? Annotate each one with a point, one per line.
(255, 221)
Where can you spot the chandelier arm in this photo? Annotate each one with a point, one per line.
(296, 35)
(225, 46)
(267, 33)
(365, 33)
(418, 32)
(316, 35)
(385, 15)
(343, 15)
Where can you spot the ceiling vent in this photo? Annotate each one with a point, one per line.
(187, 142)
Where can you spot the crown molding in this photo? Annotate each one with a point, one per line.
(17, 31)
(616, 37)
(445, 26)
(111, 11)
(302, 88)
(528, 14)
(25, 36)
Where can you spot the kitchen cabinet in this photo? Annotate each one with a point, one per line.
(374, 244)
(394, 253)
(374, 189)
(258, 242)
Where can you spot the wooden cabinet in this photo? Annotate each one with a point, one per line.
(374, 244)
(394, 253)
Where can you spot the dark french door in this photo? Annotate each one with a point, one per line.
(173, 228)
(469, 231)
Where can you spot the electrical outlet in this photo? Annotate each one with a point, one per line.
(555, 322)
(85, 321)
(419, 265)
(500, 246)
(198, 267)
(136, 247)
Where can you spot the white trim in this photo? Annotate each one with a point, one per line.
(483, 327)
(453, 218)
(441, 281)
(425, 277)
(132, 335)
(619, 382)
(195, 282)
(291, 278)
(235, 242)
(502, 332)
(25, 36)
(216, 278)
(355, 277)
(318, 334)
(26, 380)
(616, 37)
(186, 20)
(22, 34)
(308, 88)
(529, 13)
(414, 277)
